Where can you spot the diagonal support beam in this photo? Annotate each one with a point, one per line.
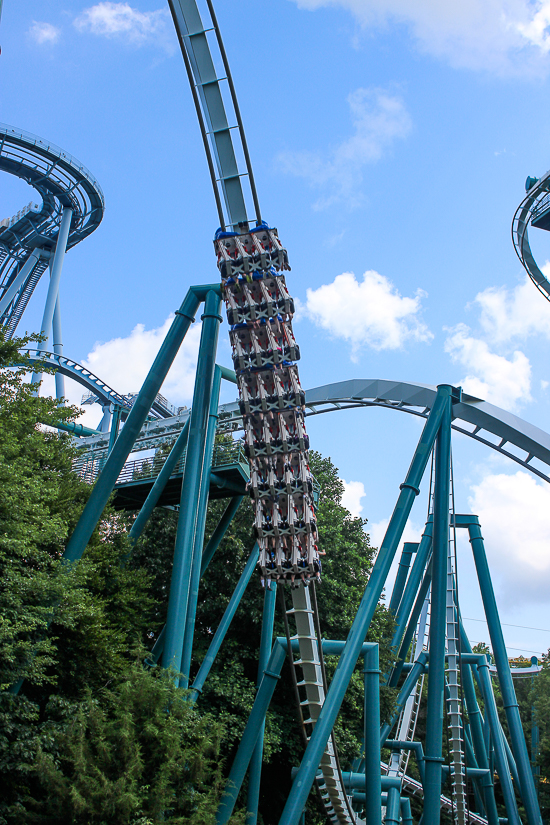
(251, 733)
(194, 478)
(409, 490)
(124, 443)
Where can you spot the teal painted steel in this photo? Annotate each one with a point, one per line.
(56, 268)
(356, 781)
(124, 443)
(193, 480)
(73, 427)
(211, 112)
(414, 674)
(219, 532)
(436, 680)
(476, 726)
(20, 279)
(61, 181)
(57, 341)
(411, 628)
(411, 590)
(393, 806)
(250, 735)
(223, 626)
(160, 483)
(331, 647)
(198, 538)
(227, 374)
(519, 748)
(115, 426)
(498, 743)
(371, 720)
(409, 547)
(406, 814)
(266, 641)
(415, 747)
(409, 490)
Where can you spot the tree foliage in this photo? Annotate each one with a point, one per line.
(88, 737)
(229, 691)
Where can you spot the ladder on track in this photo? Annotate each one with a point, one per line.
(453, 698)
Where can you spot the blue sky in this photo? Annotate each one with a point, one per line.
(390, 142)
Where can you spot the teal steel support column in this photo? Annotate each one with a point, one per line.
(373, 781)
(160, 483)
(393, 806)
(193, 479)
(409, 547)
(56, 268)
(124, 443)
(519, 747)
(21, 277)
(411, 628)
(198, 536)
(115, 426)
(476, 727)
(356, 781)
(409, 683)
(436, 678)
(406, 813)
(511, 761)
(410, 596)
(57, 338)
(409, 490)
(223, 626)
(491, 714)
(266, 641)
(250, 735)
(535, 737)
(220, 531)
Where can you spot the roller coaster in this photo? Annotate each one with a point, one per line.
(269, 462)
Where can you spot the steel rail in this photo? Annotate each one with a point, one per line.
(210, 106)
(536, 198)
(472, 416)
(61, 181)
(104, 393)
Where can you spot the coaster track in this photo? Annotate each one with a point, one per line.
(28, 238)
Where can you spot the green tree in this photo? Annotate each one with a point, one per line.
(88, 737)
(229, 691)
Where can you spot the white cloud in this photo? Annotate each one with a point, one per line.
(492, 377)
(501, 36)
(44, 33)
(124, 362)
(354, 491)
(513, 313)
(370, 312)
(120, 20)
(513, 512)
(378, 119)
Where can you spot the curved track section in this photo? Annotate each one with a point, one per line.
(217, 111)
(28, 238)
(534, 206)
(504, 432)
(103, 392)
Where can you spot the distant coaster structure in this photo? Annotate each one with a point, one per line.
(271, 465)
(534, 210)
